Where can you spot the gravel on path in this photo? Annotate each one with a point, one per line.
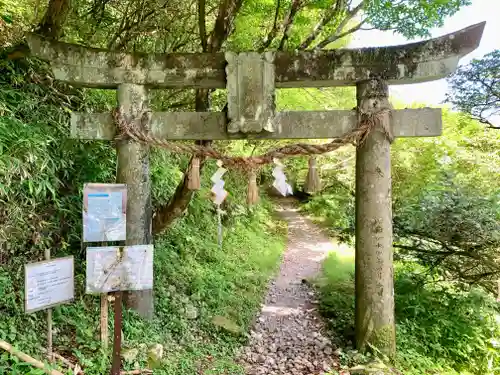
(288, 336)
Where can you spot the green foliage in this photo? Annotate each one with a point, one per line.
(440, 328)
(411, 18)
(41, 170)
(456, 329)
(475, 88)
(445, 202)
(453, 230)
(335, 209)
(336, 287)
(205, 295)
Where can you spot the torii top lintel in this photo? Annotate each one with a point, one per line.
(411, 63)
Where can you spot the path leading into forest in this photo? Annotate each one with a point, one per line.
(288, 337)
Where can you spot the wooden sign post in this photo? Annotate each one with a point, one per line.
(104, 219)
(47, 284)
(255, 75)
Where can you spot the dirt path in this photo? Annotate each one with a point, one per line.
(288, 335)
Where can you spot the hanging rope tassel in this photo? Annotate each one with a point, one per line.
(194, 174)
(313, 182)
(253, 190)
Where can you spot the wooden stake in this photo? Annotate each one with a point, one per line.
(253, 190)
(117, 335)
(49, 320)
(26, 358)
(104, 316)
(104, 320)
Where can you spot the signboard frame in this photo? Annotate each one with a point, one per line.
(103, 188)
(121, 257)
(62, 302)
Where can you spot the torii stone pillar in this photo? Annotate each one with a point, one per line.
(133, 169)
(251, 79)
(374, 269)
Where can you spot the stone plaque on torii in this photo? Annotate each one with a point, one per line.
(251, 79)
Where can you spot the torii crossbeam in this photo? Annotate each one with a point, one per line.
(255, 76)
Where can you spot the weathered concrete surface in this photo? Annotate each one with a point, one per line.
(422, 122)
(133, 170)
(250, 92)
(374, 261)
(409, 63)
(417, 62)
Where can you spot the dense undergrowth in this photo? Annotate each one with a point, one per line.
(205, 296)
(441, 329)
(446, 242)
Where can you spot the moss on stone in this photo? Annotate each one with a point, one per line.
(384, 340)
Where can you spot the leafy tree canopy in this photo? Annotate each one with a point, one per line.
(475, 89)
(168, 25)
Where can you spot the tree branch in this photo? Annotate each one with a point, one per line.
(338, 31)
(287, 24)
(274, 31)
(332, 38)
(52, 22)
(202, 24)
(228, 9)
(166, 215)
(335, 10)
(434, 252)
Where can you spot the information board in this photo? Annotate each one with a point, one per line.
(114, 268)
(48, 283)
(104, 212)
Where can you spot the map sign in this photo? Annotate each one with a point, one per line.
(104, 212)
(115, 268)
(48, 283)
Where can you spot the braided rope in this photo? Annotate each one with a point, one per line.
(357, 136)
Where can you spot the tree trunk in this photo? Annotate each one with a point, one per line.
(165, 215)
(374, 259)
(228, 9)
(52, 23)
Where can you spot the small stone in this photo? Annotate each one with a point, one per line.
(155, 355)
(190, 312)
(129, 355)
(172, 289)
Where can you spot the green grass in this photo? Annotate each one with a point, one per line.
(191, 272)
(205, 297)
(440, 329)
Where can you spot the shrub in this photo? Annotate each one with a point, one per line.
(42, 173)
(439, 327)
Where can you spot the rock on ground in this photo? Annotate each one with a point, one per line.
(288, 336)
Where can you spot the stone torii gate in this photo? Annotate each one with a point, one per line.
(251, 79)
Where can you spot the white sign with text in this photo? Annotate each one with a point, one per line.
(104, 212)
(49, 283)
(115, 268)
